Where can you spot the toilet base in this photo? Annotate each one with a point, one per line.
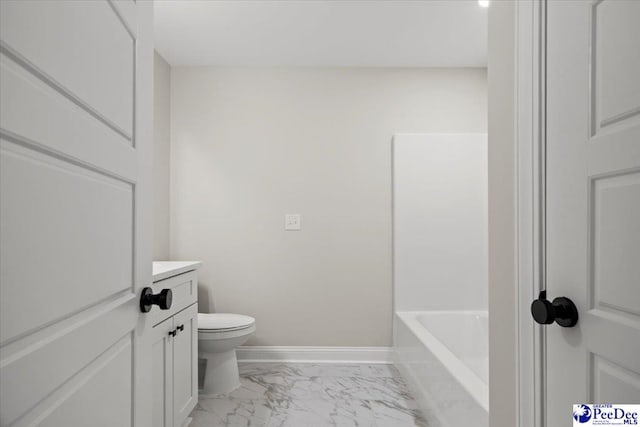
(221, 372)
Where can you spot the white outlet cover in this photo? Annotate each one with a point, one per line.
(292, 222)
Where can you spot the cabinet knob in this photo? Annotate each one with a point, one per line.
(180, 328)
(162, 299)
(172, 333)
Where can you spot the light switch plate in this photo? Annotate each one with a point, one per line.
(292, 222)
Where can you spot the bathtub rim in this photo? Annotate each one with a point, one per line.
(468, 379)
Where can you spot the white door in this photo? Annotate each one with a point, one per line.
(593, 202)
(75, 122)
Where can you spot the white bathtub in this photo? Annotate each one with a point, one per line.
(444, 357)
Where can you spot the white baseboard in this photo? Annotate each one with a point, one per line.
(315, 354)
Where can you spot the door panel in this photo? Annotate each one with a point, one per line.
(185, 364)
(613, 383)
(75, 246)
(593, 202)
(615, 62)
(616, 242)
(95, 69)
(65, 220)
(50, 348)
(27, 99)
(82, 403)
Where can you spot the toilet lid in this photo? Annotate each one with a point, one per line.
(223, 321)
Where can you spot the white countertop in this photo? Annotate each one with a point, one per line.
(165, 269)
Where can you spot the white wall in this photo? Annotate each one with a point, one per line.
(502, 214)
(440, 221)
(161, 135)
(251, 144)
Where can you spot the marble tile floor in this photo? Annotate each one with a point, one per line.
(310, 395)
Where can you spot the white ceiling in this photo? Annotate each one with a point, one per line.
(394, 33)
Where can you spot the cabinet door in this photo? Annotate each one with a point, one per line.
(185, 363)
(162, 374)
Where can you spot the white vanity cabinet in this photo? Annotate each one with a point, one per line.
(174, 349)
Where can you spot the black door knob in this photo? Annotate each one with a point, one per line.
(561, 310)
(162, 300)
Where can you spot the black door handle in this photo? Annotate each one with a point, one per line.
(162, 300)
(561, 310)
(172, 333)
(180, 328)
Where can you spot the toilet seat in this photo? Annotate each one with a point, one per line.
(223, 322)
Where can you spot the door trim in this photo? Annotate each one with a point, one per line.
(530, 210)
(143, 144)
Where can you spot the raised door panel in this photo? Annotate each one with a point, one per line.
(62, 225)
(37, 365)
(616, 243)
(108, 380)
(162, 374)
(63, 128)
(83, 48)
(613, 383)
(615, 62)
(185, 363)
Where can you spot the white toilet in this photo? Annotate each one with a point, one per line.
(218, 336)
